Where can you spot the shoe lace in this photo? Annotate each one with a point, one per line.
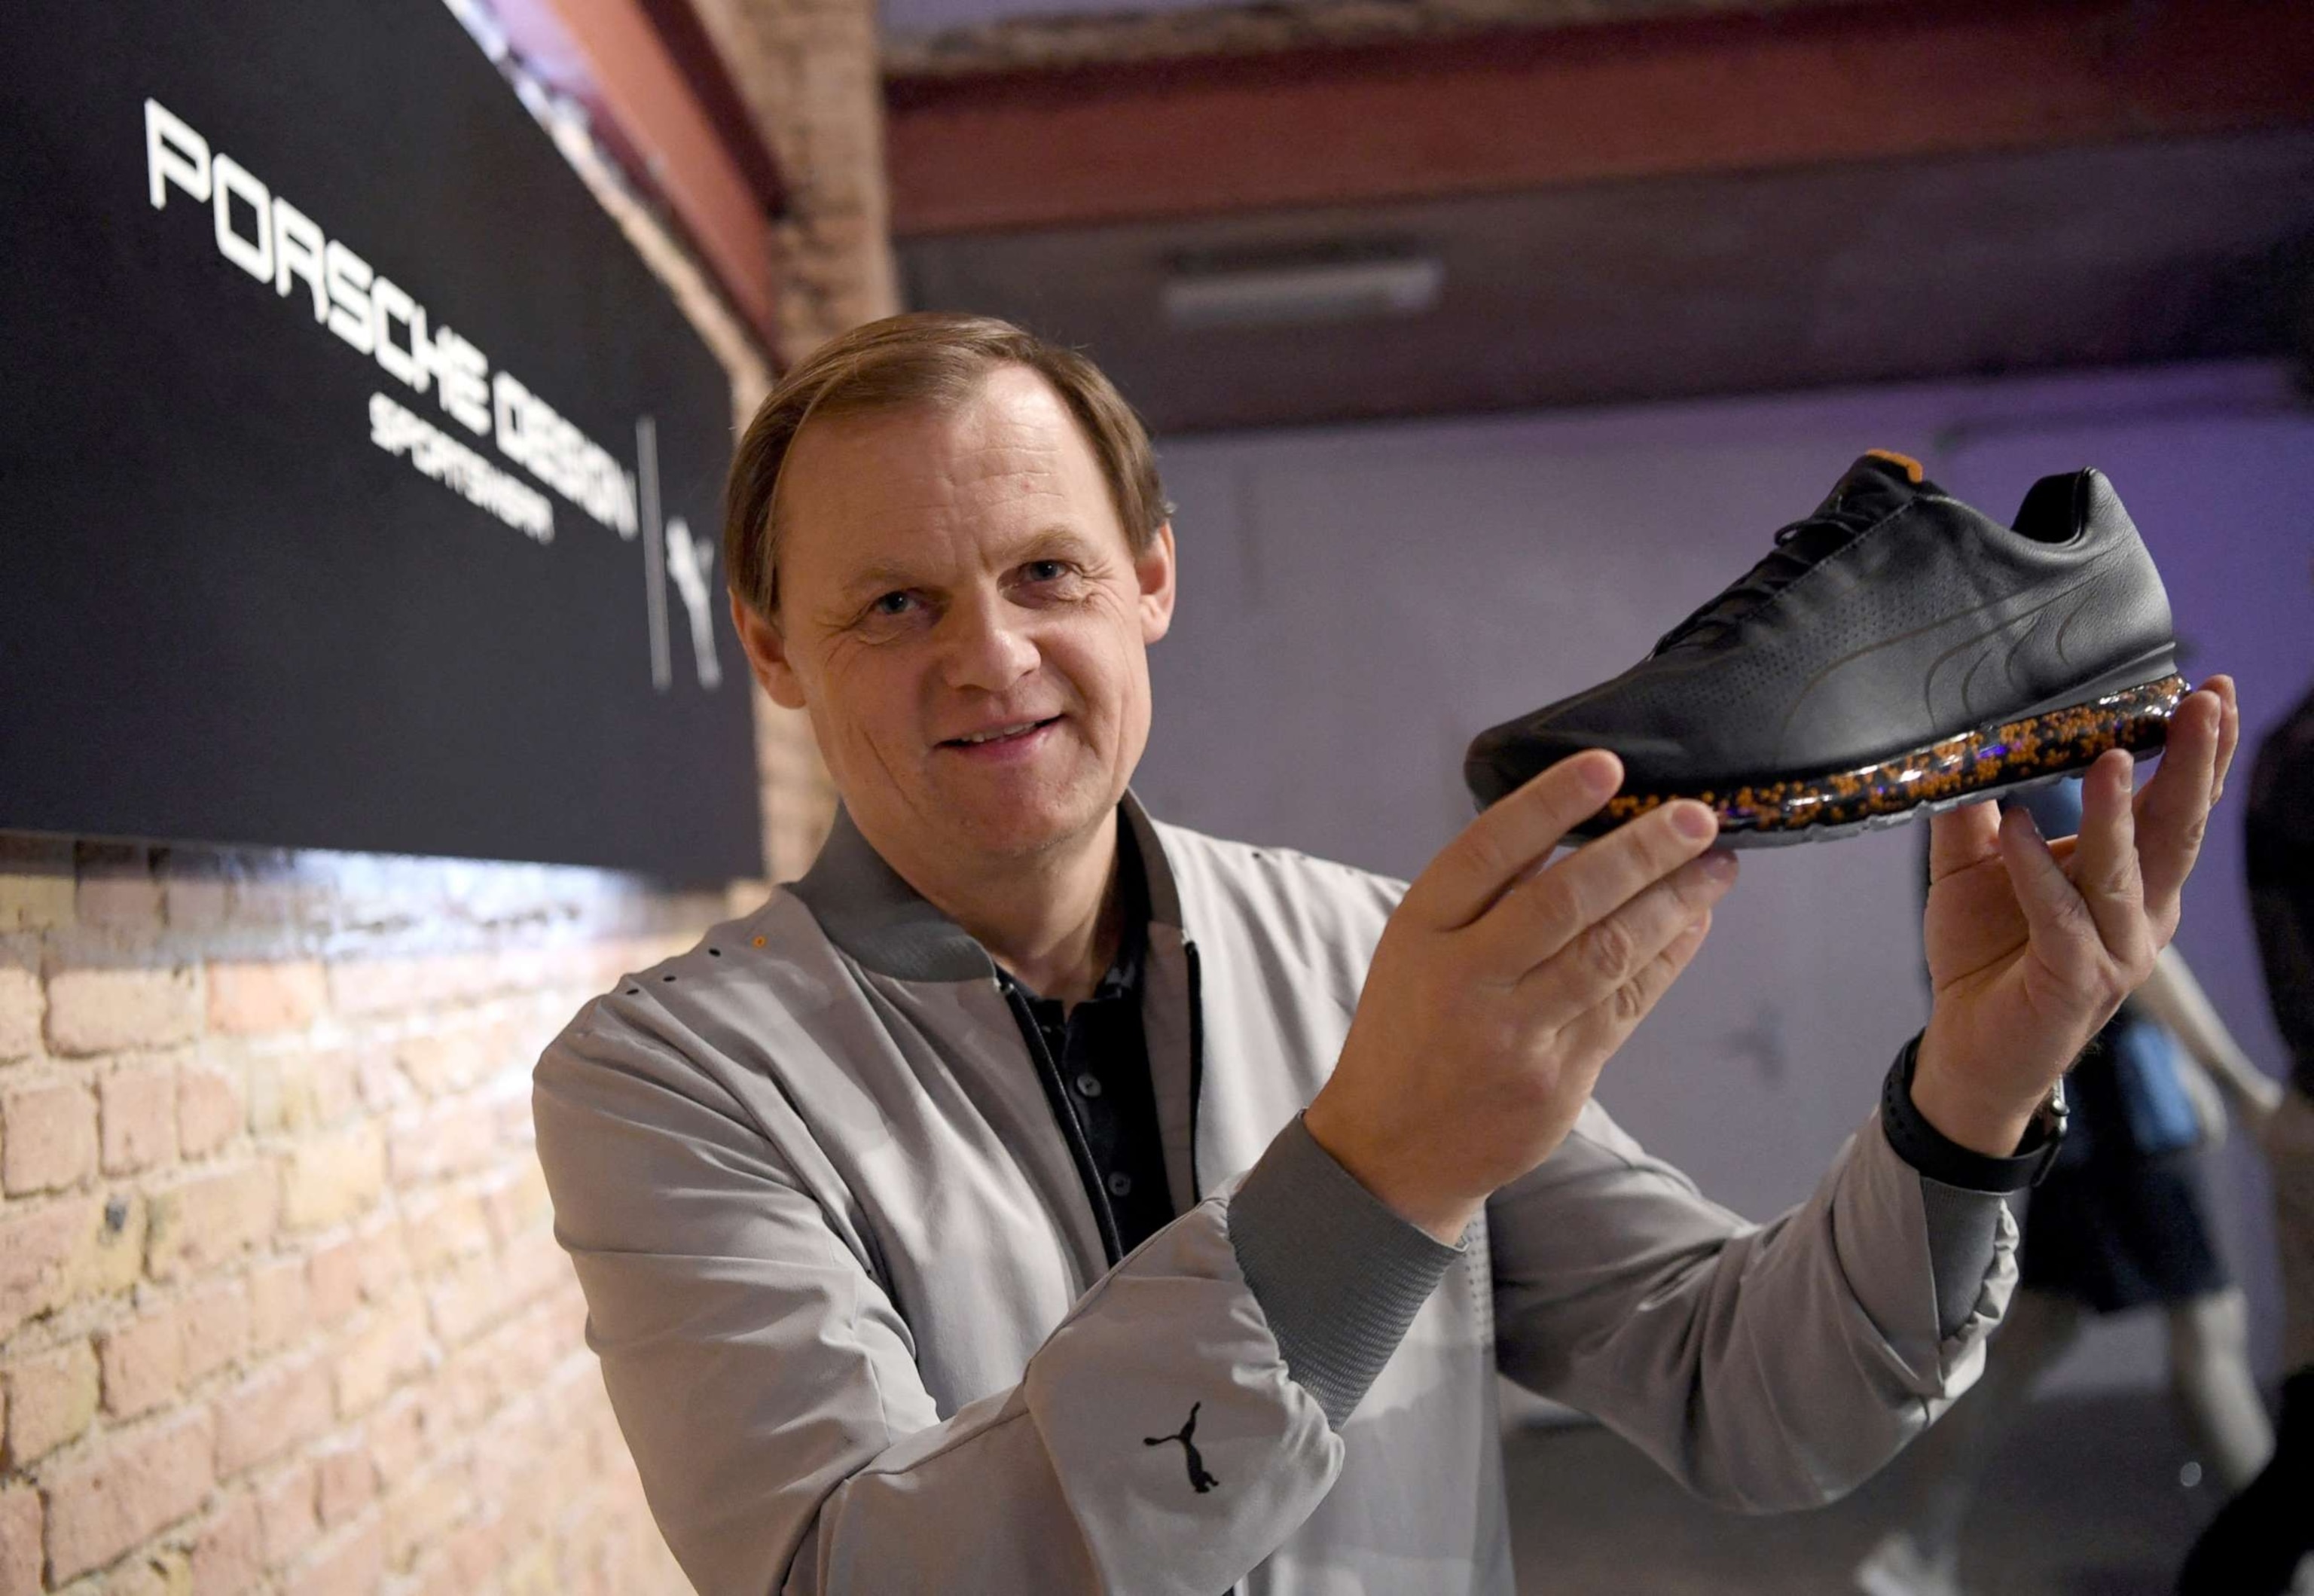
(1796, 553)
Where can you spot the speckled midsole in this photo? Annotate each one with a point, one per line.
(2017, 754)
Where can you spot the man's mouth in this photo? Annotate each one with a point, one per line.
(1009, 732)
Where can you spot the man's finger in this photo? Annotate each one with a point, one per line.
(1603, 1027)
(1963, 838)
(1531, 924)
(2229, 731)
(2174, 808)
(2064, 937)
(2104, 868)
(1509, 839)
(1613, 951)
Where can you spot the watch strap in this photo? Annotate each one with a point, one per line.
(1939, 1157)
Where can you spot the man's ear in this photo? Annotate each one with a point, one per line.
(767, 655)
(1154, 567)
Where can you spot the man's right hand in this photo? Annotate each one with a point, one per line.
(1503, 982)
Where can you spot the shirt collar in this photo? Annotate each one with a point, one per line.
(867, 909)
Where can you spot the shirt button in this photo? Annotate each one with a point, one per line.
(1089, 1084)
(1120, 1184)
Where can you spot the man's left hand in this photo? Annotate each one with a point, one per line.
(2032, 945)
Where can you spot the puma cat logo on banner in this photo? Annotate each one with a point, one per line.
(1198, 1478)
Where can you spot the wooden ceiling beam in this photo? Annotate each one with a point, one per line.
(1343, 126)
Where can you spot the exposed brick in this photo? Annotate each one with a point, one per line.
(329, 1179)
(246, 999)
(459, 1135)
(143, 1363)
(444, 1227)
(161, 1572)
(51, 1398)
(379, 1081)
(140, 1118)
(465, 1560)
(385, 1262)
(351, 1565)
(533, 1573)
(471, 1387)
(214, 1325)
(110, 1010)
(423, 1510)
(334, 1281)
(36, 884)
(47, 1136)
(21, 1007)
(116, 890)
(296, 1091)
(205, 1218)
(467, 1299)
(209, 1112)
(80, 1247)
(346, 1482)
(271, 1414)
(286, 1506)
(447, 1061)
(402, 1434)
(392, 1348)
(195, 889)
(507, 1456)
(280, 1307)
(519, 1203)
(364, 986)
(229, 1552)
(138, 1484)
(20, 1541)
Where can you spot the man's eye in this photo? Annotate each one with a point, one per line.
(892, 604)
(1046, 570)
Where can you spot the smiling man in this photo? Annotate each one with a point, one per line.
(923, 1211)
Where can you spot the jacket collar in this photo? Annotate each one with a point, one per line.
(869, 910)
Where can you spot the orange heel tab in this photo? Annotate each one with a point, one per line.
(1912, 466)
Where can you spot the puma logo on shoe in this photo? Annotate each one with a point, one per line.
(1198, 1478)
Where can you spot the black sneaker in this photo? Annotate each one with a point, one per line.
(1896, 652)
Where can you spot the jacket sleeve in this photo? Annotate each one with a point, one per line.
(1766, 1367)
(768, 1389)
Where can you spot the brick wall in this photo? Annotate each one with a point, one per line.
(280, 1306)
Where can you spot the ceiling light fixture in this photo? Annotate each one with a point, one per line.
(1296, 294)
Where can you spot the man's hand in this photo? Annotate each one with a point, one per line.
(1502, 984)
(2033, 945)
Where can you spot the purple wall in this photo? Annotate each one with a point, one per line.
(1357, 603)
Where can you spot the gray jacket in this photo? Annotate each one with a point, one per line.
(859, 1327)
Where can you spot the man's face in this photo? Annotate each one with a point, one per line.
(961, 615)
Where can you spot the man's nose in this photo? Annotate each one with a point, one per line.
(988, 645)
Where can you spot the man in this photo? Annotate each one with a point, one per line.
(1037, 1197)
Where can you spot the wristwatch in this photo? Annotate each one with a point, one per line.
(1939, 1157)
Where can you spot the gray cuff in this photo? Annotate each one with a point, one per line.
(1337, 1272)
(1964, 1235)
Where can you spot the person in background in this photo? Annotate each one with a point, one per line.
(2121, 1223)
(2262, 1542)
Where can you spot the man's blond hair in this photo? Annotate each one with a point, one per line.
(923, 359)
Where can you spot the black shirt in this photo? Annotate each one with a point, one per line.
(1095, 1058)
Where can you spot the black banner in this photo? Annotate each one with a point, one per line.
(358, 482)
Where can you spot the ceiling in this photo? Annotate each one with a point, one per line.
(1679, 286)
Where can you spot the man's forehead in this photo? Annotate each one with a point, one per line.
(1004, 471)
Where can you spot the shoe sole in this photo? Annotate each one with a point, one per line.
(1990, 762)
